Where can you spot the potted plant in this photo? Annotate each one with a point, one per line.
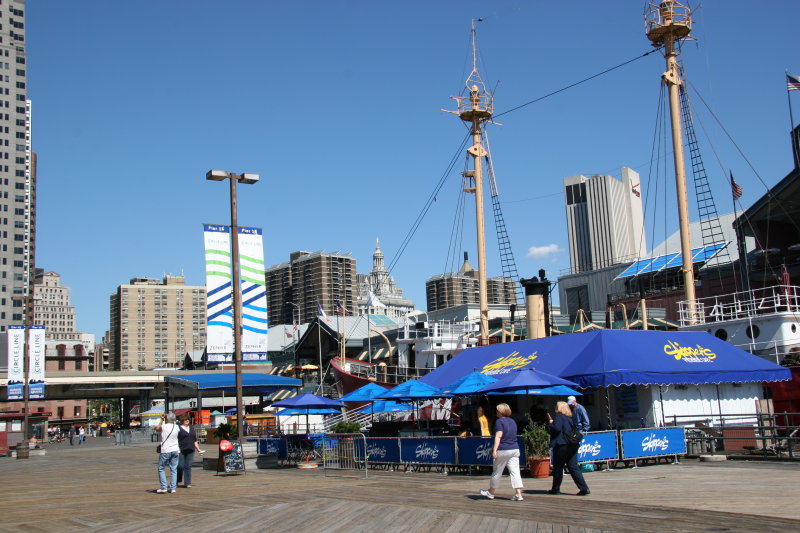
(537, 448)
(346, 426)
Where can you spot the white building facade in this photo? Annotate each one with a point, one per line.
(605, 220)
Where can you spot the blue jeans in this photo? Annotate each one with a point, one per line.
(185, 466)
(170, 459)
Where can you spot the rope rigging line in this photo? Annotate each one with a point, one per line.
(457, 232)
(738, 149)
(576, 83)
(428, 204)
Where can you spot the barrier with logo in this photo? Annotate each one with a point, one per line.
(272, 447)
(475, 450)
(428, 450)
(598, 446)
(381, 450)
(652, 442)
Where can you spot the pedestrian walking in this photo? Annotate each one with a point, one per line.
(579, 414)
(565, 453)
(72, 435)
(187, 443)
(169, 453)
(81, 435)
(505, 453)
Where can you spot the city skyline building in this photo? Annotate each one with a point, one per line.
(605, 220)
(17, 170)
(155, 323)
(378, 292)
(308, 281)
(457, 288)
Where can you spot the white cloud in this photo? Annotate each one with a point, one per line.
(540, 252)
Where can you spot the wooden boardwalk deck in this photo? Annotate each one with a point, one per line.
(112, 489)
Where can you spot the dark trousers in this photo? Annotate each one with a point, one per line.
(185, 467)
(567, 455)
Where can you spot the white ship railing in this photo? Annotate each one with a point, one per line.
(745, 304)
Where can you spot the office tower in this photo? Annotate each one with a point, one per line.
(457, 288)
(296, 287)
(605, 220)
(155, 323)
(17, 168)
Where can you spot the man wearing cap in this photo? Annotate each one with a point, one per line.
(581, 417)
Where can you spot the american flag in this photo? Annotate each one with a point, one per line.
(339, 309)
(792, 83)
(736, 189)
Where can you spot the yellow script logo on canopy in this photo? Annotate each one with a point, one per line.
(689, 354)
(507, 363)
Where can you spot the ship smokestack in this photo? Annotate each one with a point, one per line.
(537, 309)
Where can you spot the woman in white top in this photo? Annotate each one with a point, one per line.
(169, 453)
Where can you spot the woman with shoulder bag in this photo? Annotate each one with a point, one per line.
(565, 453)
(187, 442)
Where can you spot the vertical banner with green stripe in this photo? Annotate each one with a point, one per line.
(254, 295)
(219, 304)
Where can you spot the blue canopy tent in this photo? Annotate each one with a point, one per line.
(620, 358)
(555, 390)
(252, 383)
(525, 379)
(616, 358)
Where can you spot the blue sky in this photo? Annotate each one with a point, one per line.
(338, 106)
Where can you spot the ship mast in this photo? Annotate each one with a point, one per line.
(667, 23)
(475, 106)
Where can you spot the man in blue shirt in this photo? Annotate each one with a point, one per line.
(580, 416)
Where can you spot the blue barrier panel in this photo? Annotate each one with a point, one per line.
(475, 450)
(598, 446)
(432, 450)
(653, 442)
(273, 447)
(379, 449)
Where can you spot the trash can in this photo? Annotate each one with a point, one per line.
(23, 450)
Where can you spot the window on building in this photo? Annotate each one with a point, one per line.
(77, 411)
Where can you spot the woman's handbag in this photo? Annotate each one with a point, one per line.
(573, 436)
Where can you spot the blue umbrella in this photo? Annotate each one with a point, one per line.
(385, 406)
(469, 384)
(367, 393)
(555, 390)
(526, 379)
(289, 411)
(411, 390)
(308, 401)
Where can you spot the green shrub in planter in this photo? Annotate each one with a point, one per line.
(227, 431)
(346, 426)
(536, 439)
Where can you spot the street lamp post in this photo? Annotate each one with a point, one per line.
(219, 175)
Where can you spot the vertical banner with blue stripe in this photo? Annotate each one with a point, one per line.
(16, 358)
(219, 297)
(36, 363)
(254, 295)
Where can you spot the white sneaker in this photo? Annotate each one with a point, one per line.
(516, 498)
(161, 491)
(486, 494)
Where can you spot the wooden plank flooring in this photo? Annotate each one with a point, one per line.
(107, 488)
